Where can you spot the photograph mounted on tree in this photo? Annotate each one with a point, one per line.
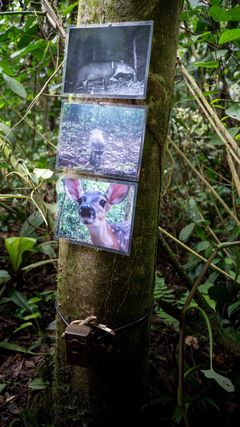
(108, 60)
(104, 140)
(96, 213)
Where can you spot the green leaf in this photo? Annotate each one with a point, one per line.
(229, 36)
(38, 384)
(14, 347)
(6, 67)
(224, 382)
(186, 232)
(32, 316)
(222, 15)
(4, 276)
(234, 111)
(15, 86)
(20, 300)
(233, 308)
(217, 2)
(206, 64)
(23, 326)
(202, 246)
(69, 8)
(31, 224)
(39, 264)
(215, 140)
(36, 48)
(47, 248)
(2, 387)
(16, 246)
(220, 53)
(28, 36)
(7, 131)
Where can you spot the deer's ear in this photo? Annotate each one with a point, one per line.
(73, 188)
(116, 193)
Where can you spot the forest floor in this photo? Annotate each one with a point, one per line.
(24, 376)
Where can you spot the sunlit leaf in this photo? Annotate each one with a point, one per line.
(196, 3)
(16, 246)
(229, 36)
(23, 326)
(42, 173)
(222, 15)
(6, 67)
(32, 316)
(69, 8)
(206, 64)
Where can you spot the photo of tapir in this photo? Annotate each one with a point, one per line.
(108, 60)
(105, 140)
(98, 214)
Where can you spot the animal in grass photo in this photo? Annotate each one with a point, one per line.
(103, 71)
(92, 209)
(96, 147)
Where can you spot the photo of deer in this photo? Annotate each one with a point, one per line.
(105, 140)
(108, 60)
(96, 213)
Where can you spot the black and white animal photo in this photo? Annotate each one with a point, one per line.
(108, 60)
(104, 140)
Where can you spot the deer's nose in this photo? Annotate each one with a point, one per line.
(87, 211)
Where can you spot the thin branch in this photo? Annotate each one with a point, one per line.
(196, 254)
(23, 12)
(213, 191)
(52, 17)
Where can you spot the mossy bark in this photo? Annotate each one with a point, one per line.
(119, 289)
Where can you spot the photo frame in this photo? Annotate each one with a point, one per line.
(98, 214)
(108, 60)
(104, 140)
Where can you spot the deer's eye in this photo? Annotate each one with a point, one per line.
(102, 203)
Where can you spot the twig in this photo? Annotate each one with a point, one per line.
(23, 12)
(213, 191)
(196, 254)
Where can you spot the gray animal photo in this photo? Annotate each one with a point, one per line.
(96, 213)
(104, 140)
(108, 60)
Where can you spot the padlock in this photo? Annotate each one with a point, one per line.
(78, 345)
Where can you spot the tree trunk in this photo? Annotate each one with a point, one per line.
(119, 289)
